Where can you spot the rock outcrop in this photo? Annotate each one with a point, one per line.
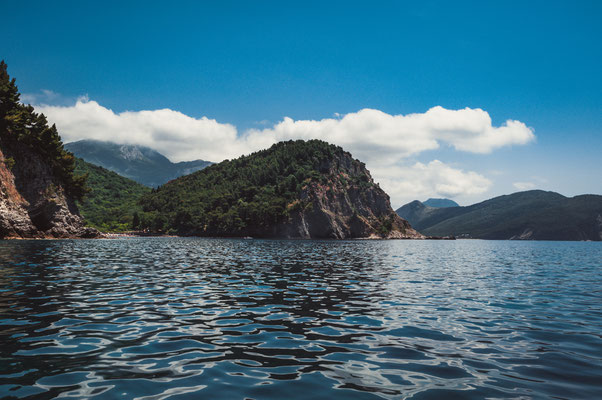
(32, 203)
(346, 203)
(37, 184)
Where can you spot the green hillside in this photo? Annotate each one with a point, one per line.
(112, 201)
(252, 194)
(534, 215)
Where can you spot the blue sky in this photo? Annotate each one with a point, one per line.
(248, 65)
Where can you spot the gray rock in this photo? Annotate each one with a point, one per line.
(340, 209)
(33, 204)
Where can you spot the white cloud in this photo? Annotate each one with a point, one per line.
(369, 133)
(435, 179)
(523, 185)
(382, 141)
(172, 133)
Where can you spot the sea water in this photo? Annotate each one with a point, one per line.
(154, 318)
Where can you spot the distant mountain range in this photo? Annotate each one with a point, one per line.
(141, 164)
(530, 215)
(440, 203)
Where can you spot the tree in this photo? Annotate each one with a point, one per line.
(136, 221)
(21, 126)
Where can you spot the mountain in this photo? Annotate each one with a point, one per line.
(418, 214)
(440, 203)
(38, 186)
(294, 189)
(112, 202)
(530, 215)
(141, 164)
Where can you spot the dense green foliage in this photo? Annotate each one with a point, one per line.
(533, 214)
(139, 163)
(112, 202)
(21, 127)
(239, 197)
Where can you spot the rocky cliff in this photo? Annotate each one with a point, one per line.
(344, 203)
(32, 203)
(37, 184)
(294, 189)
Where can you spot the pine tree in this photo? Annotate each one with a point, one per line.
(21, 126)
(9, 97)
(136, 221)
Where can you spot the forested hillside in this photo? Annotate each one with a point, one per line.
(112, 201)
(530, 215)
(293, 189)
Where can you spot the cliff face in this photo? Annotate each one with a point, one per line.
(32, 202)
(37, 184)
(346, 203)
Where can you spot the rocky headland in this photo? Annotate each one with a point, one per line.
(37, 185)
(295, 189)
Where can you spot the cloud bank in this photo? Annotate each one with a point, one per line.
(524, 185)
(421, 181)
(369, 133)
(175, 135)
(383, 141)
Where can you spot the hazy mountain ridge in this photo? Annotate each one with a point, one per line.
(530, 215)
(138, 163)
(440, 203)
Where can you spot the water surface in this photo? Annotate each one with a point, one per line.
(155, 318)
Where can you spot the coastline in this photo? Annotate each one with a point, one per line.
(148, 235)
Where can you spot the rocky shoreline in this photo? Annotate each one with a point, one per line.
(33, 205)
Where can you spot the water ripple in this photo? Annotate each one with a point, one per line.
(227, 319)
